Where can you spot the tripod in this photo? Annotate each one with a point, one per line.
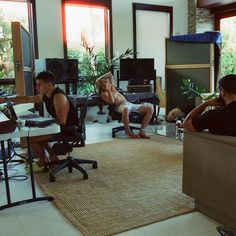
(12, 153)
(11, 145)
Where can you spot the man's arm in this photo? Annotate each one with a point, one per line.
(110, 77)
(23, 99)
(188, 124)
(61, 105)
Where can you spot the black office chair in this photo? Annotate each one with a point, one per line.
(65, 144)
(134, 117)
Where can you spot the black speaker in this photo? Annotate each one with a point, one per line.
(65, 70)
(140, 68)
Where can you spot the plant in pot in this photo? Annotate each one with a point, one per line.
(194, 90)
(92, 65)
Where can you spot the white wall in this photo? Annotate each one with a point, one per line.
(123, 20)
(49, 27)
(49, 24)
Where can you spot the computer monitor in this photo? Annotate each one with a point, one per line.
(140, 68)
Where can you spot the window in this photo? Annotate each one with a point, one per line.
(16, 10)
(225, 22)
(86, 29)
(228, 49)
(91, 28)
(9, 11)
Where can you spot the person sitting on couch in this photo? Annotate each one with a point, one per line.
(110, 95)
(221, 120)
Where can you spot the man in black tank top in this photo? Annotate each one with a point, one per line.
(221, 120)
(58, 106)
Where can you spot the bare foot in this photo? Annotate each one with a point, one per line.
(143, 135)
(132, 135)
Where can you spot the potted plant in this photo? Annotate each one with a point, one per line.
(193, 90)
(92, 65)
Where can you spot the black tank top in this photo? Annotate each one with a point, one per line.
(72, 117)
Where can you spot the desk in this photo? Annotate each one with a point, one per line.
(95, 99)
(24, 132)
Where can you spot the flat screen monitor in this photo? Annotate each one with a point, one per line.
(140, 68)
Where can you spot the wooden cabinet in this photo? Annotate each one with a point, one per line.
(186, 60)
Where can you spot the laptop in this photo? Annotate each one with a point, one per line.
(31, 120)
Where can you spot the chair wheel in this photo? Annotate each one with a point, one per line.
(113, 135)
(52, 179)
(85, 176)
(95, 166)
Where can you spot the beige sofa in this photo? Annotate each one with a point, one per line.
(209, 174)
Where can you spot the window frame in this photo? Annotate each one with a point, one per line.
(108, 28)
(219, 15)
(31, 5)
(149, 7)
(223, 15)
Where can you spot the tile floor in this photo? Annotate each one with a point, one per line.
(43, 218)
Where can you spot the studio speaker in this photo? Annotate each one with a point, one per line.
(139, 68)
(64, 69)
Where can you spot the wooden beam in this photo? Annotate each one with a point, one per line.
(213, 3)
(227, 9)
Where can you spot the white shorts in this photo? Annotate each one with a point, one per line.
(131, 107)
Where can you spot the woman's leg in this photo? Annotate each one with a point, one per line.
(148, 111)
(125, 120)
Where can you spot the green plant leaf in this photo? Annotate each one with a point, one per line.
(191, 89)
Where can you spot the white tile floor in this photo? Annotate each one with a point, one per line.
(43, 218)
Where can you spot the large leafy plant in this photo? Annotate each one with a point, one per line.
(192, 90)
(92, 65)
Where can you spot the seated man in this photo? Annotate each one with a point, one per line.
(221, 120)
(58, 106)
(109, 94)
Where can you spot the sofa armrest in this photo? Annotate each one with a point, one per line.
(209, 172)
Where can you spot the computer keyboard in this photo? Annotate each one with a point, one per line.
(40, 124)
(28, 116)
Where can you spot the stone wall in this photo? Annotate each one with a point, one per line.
(192, 6)
(199, 19)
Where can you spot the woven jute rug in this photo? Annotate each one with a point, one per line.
(137, 182)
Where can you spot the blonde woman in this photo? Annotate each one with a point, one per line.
(110, 95)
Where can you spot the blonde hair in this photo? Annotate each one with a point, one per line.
(98, 81)
(98, 85)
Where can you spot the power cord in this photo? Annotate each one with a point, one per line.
(14, 177)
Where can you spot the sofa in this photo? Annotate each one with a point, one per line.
(209, 174)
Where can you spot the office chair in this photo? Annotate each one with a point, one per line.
(65, 144)
(134, 117)
(226, 231)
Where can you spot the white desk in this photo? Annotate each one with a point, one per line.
(30, 132)
(24, 132)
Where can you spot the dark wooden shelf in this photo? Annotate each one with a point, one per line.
(213, 3)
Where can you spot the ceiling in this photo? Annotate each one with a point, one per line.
(214, 3)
